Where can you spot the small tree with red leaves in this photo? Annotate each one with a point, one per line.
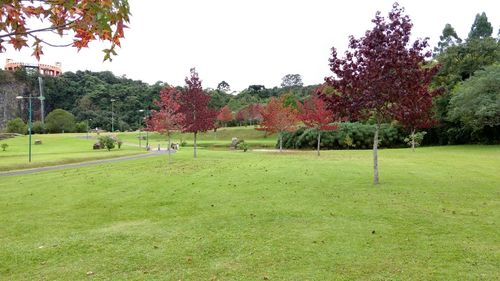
(167, 118)
(278, 118)
(315, 114)
(198, 117)
(225, 115)
(378, 74)
(243, 116)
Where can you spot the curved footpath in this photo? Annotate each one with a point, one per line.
(81, 164)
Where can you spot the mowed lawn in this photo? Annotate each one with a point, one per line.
(230, 215)
(55, 149)
(219, 139)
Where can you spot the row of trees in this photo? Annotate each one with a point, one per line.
(467, 108)
(184, 109)
(57, 121)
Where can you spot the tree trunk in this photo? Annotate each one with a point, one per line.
(413, 140)
(168, 150)
(281, 141)
(194, 144)
(375, 154)
(319, 140)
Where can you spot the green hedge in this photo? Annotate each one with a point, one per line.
(360, 134)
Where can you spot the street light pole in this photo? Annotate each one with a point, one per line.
(112, 116)
(42, 107)
(30, 125)
(140, 135)
(87, 128)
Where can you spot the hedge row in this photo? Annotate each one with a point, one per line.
(348, 135)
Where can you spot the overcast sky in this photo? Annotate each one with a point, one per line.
(248, 42)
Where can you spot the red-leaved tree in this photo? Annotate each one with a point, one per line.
(83, 20)
(225, 115)
(415, 111)
(278, 118)
(198, 117)
(377, 74)
(315, 114)
(168, 117)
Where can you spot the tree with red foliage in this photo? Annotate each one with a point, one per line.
(315, 114)
(278, 118)
(250, 114)
(254, 110)
(377, 75)
(167, 118)
(415, 111)
(243, 115)
(225, 115)
(198, 117)
(87, 20)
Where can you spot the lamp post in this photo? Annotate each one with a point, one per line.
(88, 127)
(29, 119)
(140, 123)
(112, 116)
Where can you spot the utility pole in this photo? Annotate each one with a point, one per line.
(42, 98)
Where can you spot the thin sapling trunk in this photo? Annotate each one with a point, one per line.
(281, 141)
(375, 154)
(319, 140)
(413, 140)
(168, 150)
(194, 144)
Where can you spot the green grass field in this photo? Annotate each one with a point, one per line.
(229, 215)
(220, 139)
(55, 150)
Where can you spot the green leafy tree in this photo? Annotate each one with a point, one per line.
(59, 121)
(447, 39)
(17, 126)
(476, 102)
(81, 127)
(291, 80)
(4, 146)
(38, 128)
(481, 28)
(224, 87)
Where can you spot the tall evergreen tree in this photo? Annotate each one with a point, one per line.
(481, 28)
(447, 39)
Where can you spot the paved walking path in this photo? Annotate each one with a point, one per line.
(82, 164)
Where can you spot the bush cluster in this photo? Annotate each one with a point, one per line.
(17, 126)
(348, 135)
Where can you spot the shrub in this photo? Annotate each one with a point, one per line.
(183, 143)
(361, 136)
(16, 126)
(348, 142)
(107, 141)
(419, 137)
(119, 143)
(38, 128)
(4, 146)
(242, 145)
(81, 127)
(59, 121)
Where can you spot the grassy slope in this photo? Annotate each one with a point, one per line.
(247, 216)
(56, 149)
(221, 138)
